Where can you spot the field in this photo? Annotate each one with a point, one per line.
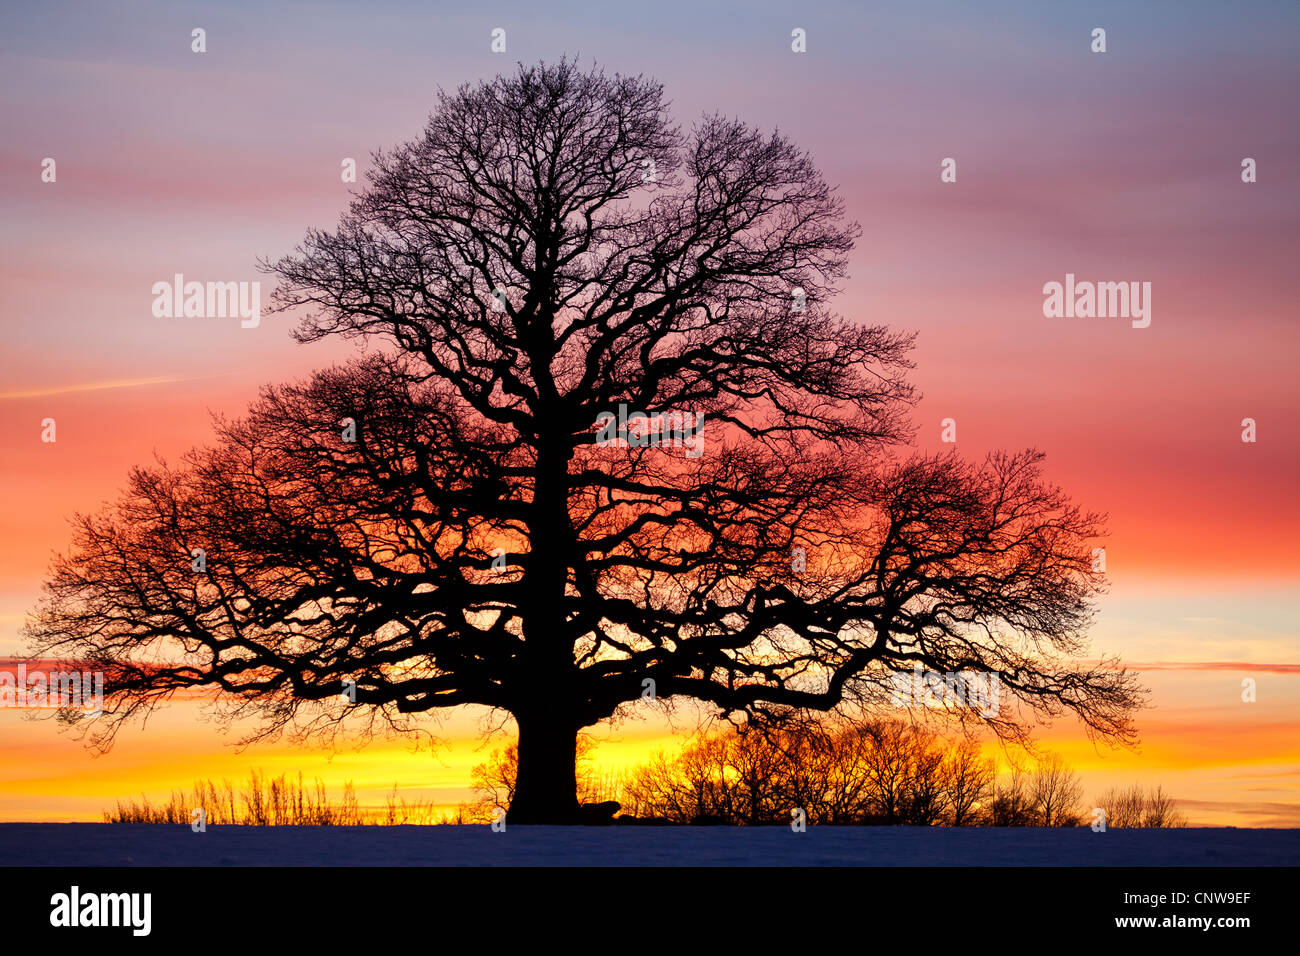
(96, 844)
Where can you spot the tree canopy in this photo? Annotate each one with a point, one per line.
(439, 523)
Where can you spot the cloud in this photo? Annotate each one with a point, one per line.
(1249, 666)
(89, 387)
(1252, 667)
(1260, 814)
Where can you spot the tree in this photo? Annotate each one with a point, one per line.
(1123, 807)
(826, 771)
(837, 773)
(496, 779)
(754, 763)
(889, 758)
(927, 796)
(968, 781)
(1137, 807)
(1054, 793)
(1162, 810)
(694, 785)
(453, 520)
(1012, 806)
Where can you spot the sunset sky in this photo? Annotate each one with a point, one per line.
(1122, 166)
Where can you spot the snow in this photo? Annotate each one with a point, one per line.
(99, 844)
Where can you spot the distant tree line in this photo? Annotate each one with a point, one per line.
(1135, 807)
(875, 773)
(884, 772)
(275, 801)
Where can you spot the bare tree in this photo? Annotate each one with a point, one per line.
(1135, 806)
(1123, 806)
(834, 773)
(1054, 793)
(653, 791)
(1161, 810)
(927, 796)
(754, 761)
(968, 779)
(447, 521)
(1012, 805)
(889, 763)
(690, 787)
(496, 779)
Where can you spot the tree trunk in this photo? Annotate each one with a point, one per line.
(546, 790)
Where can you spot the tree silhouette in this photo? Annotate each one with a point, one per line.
(841, 773)
(1054, 793)
(443, 521)
(970, 780)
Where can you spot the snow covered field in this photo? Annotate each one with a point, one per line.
(97, 844)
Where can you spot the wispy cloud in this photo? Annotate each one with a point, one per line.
(1250, 666)
(1260, 814)
(1214, 666)
(89, 387)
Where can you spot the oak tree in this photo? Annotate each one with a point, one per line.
(443, 521)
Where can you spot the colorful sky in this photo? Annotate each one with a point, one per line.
(1116, 166)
